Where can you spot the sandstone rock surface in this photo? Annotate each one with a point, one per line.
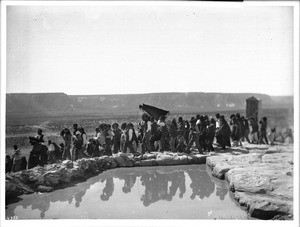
(262, 179)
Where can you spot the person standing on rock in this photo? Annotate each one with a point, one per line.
(117, 138)
(84, 139)
(41, 147)
(155, 134)
(241, 128)
(108, 139)
(173, 134)
(254, 130)
(217, 129)
(78, 144)
(263, 131)
(146, 132)
(123, 137)
(210, 134)
(40, 137)
(67, 137)
(180, 136)
(51, 154)
(246, 129)
(16, 159)
(202, 132)
(235, 130)
(193, 137)
(75, 130)
(129, 139)
(164, 141)
(224, 133)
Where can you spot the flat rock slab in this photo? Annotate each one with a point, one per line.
(262, 180)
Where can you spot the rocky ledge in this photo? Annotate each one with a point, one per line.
(54, 176)
(261, 178)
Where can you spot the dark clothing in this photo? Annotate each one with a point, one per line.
(224, 133)
(263, 132)
(173, 131)
(210, 132)
(235, 132)
(117, 140)
(254, 126)
(38, 156)
(164, 138)
(202, 135)
(8, 164)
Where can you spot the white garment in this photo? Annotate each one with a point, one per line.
(84, 137)
(217, 123)
(130, 133)
(161, 123)
(51, 147)
(148, 126)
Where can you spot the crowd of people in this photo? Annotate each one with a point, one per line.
(149, 135)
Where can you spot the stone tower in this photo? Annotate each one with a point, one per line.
(253, 108)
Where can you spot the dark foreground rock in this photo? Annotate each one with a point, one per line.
(262, 179)
(51, 177)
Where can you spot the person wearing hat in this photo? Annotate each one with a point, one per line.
(16, 159)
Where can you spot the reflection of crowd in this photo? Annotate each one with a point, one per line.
(158, 185)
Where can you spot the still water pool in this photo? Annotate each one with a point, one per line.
(168, 192)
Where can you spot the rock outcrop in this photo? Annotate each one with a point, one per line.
(50, 177)
(262, 179)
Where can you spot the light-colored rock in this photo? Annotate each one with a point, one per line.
(51, 178)
(68, 164)
(262, 181)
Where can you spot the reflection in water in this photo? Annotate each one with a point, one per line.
(108, 190)
(154, 184)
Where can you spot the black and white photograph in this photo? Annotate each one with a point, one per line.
(149, 113)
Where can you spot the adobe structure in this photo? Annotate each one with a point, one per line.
(253, 107)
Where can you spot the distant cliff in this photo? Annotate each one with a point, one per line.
(60, 104)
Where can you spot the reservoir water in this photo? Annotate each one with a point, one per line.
(160, 192)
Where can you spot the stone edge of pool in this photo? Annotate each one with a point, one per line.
(262, 179)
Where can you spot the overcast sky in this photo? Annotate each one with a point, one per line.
(145, 49)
